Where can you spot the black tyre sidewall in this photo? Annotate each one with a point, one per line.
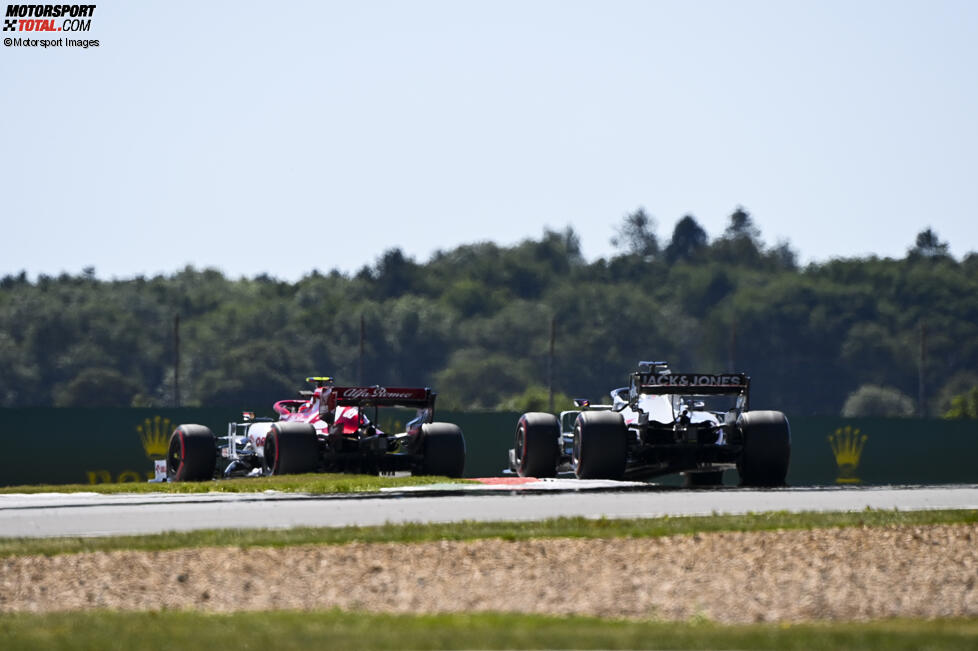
(540, 433)
(442, 449)
(191, 454)
(766, 455)
(291, 449)
(600, 445)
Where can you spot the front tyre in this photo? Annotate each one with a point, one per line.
(191, 454)
(291, 449)
(442, 449)
(537, 445)
(600, 445)
(767, 448)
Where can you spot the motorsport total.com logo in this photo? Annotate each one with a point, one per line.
(44, 19)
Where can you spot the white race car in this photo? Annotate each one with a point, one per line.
(662, 423)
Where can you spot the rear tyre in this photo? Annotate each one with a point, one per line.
(191, 454)
(767, 448)
(291, 449)
(600, 445)
(537, 445)
(442, 449)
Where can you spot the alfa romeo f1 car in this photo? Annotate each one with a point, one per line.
(327, 429)
(662, 423)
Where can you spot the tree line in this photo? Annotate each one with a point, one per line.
(870, 335)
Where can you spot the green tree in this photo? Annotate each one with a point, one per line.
(473, 323)
(742, 226)
(688, 240)
(475, 379)
(97, 387)
(873, 400)
(957, 385)
(784, 256)
(395, 275)
(740, 243)
(636, 235)
(536, 398)
(928, 245)
(964, 405)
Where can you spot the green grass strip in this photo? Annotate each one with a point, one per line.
(554, 528)
(315, 484)
(337, 631)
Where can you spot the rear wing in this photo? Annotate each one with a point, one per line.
(689, 384)
(418, 398)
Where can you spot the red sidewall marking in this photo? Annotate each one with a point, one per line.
(183, 455)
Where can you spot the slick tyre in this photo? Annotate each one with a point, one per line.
(191, 454)
(537, 445)
(600, 445)
(442, 450)
(767, 448)
(291, 449)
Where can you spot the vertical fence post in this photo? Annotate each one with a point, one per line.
(732, 345)
(921, 404)
(550, 362)
(360, 363)
(176, 360)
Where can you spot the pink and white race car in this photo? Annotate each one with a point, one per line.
(325, 430)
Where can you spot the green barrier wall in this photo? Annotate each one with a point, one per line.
(81, 446)
(62, 446)
(488, 438)
(831, 450)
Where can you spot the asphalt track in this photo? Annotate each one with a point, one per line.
(89, 514)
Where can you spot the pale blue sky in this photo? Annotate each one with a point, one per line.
(282, 137)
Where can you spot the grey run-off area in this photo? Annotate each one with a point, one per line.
(87, 514)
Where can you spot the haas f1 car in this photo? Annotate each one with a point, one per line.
(662, 423)
(325, 430)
